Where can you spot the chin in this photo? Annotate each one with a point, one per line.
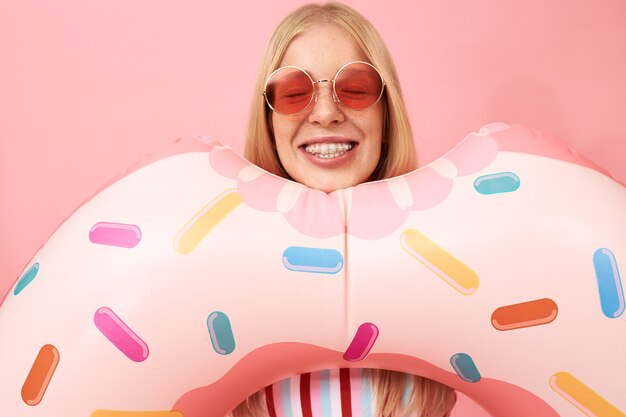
(330, 185)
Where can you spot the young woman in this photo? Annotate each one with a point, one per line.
(329, 114)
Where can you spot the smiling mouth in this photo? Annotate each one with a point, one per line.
(329, 150)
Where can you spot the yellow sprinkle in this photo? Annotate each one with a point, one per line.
(440, 261)
(583, 397)
(115, 413)
(205, 220)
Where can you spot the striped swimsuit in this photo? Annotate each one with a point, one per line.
(328, 393)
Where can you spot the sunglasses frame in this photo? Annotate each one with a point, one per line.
(314, 87)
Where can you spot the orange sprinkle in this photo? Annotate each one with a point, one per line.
(40, 375)
(530, 313)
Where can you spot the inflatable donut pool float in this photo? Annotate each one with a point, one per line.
(199, 279)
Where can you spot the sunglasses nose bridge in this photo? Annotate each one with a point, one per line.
(332, 89)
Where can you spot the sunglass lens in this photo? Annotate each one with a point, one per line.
(289, 91)
(358, 86)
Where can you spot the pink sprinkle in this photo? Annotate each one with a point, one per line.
(120, 334)
(362, 343)
(115, 234)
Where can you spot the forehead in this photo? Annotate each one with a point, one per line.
(322, 50)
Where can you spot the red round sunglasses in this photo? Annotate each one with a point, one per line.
(290, 90)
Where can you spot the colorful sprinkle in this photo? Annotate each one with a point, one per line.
(26, 278)
(221, 333)
(502, 182)
(609, 283)
(530, 313)
(440, 261)
(115, 234)
(118, 333)
(582, 397)
(362, 343)
(464, 367)
(116, 413)
(323, 261)
(205, 220)
(40, 375)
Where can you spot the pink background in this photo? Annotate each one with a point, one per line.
(89, 89)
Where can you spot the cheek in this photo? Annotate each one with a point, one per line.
(375, 135)
(382, 114)
(372, 124)
(282, 131)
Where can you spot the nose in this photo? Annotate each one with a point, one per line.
(325, 107)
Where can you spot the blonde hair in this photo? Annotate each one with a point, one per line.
(398, 150)
(427, 398)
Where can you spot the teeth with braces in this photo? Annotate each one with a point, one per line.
(328, 150)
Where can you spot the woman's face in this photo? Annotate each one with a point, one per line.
(305, 141)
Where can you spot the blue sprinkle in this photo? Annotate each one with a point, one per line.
(609, 283)
(221, 333)
(26, 278)
(502, 182)
(465, 367)
(316, 260)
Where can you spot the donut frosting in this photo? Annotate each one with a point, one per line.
(199, 279)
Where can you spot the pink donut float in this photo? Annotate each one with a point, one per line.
(199, 279)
